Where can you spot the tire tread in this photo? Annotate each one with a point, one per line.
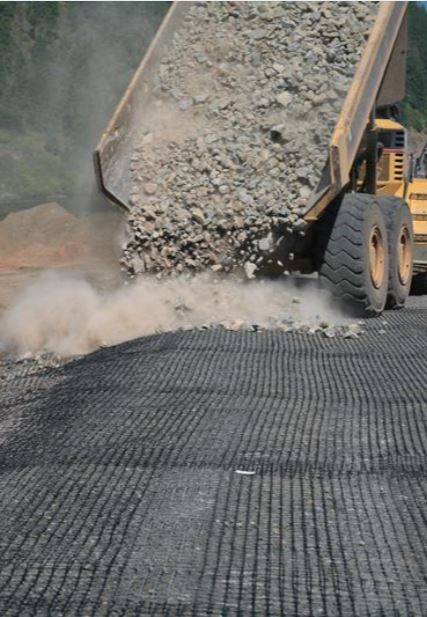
(342, 260)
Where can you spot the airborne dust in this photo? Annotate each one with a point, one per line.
(66, 315)
(65, 312)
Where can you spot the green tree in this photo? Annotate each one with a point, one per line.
(64, 67)
(415, 105)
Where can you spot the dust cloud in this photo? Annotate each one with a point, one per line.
(66, 315)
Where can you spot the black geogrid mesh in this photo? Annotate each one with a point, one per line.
(119, 491)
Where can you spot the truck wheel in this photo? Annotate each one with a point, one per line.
(354, 264)
(400, 246)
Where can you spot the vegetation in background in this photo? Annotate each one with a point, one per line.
(415, 106)
(64, 66)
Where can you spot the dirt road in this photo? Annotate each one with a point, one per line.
(220, 473)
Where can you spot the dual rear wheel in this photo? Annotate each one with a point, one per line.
(366, 258)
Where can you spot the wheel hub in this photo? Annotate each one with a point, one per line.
(376, 257)
(404, 255)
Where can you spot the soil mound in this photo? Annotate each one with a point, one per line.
(42, 236)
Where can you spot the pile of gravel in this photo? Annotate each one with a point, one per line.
(237, 134)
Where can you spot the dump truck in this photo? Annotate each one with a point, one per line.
(367, 218)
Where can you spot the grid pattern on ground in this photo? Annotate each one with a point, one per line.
(120, 492)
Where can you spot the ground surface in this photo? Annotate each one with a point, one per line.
(120, 492)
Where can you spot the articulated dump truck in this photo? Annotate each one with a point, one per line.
(366, 231)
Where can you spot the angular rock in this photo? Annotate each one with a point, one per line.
(250, 269)
(244, 158)
(150, 188)
(284, 98)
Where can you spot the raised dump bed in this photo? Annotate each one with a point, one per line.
(242, 124)
(116, 146)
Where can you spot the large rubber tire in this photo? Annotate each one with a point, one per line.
(354, 263)
(400, 236)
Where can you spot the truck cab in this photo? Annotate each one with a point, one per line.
(393, 161)
(398, 176)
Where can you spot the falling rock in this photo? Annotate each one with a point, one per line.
(150, 188)
(244, 197)
(185, 104)
(201, 98)
(284, 98)
(245, 157)
(149, 213)
(300, 225)
(278, 67)
(250, 269)
(137, 264)
(181, 307)
(305, 192)
(266, 244)
(257, 34)
(198, 216)
(212, 138)
(147, 139)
